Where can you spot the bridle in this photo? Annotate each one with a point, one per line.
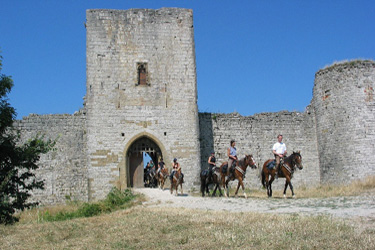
(245, 165)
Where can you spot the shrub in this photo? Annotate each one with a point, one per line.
(115, 200)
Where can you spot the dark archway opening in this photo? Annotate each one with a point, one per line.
(136, 165)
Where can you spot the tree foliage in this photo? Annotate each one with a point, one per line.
(17, 162)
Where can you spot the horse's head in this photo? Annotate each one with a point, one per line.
(297, 159)
(249, 159)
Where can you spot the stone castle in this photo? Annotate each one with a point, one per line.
(142, 97)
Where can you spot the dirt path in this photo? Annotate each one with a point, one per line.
(356, 208)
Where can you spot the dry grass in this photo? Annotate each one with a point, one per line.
(323, 191)
(175, 228)
(172, 228)
(352, 189)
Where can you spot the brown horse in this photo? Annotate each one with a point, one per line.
(286, 171)
(238, 173)
(177, 179)
(206, 181)
(161, 176)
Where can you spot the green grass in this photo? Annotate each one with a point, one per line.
(115, 200)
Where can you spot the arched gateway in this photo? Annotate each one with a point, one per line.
(134, 157)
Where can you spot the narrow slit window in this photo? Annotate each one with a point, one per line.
(142, 74)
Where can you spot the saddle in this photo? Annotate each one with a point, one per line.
(271, 165)
(205, 172)
(225, 167)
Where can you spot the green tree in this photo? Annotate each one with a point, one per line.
(18, 162)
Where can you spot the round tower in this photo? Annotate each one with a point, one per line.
(344, 104)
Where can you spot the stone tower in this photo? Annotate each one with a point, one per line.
(344, 103)
(141, 95)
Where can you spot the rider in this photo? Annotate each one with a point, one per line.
(232, 154)
(152, 165)
(211, 164)
(279, 150)
(160, 165)
(147, 168)
(175, 167)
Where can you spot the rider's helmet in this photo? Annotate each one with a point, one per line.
(175, 159)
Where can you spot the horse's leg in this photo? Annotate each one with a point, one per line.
(291, 188)
(221, 194)
(271, 181)
(203, 185)
(238, 187)
(286, 186)
(268, 185)
(214, 191)
(288, 182)
(243, 189)
(182, 191)
(289, 179)
(224, 183)
(207, 183)
(226, 187)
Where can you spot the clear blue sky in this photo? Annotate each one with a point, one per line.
(252, 56)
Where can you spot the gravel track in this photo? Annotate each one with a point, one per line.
(356, 208)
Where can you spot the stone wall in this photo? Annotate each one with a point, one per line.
(120, 110)
(65, 168)
(256, 135)
(344, 104)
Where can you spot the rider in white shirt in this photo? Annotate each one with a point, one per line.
(279, 150)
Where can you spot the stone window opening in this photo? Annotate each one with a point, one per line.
(142, 74)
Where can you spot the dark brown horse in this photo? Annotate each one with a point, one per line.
(286, 171)
(161, 176)
(177, 179)
(238, 173)
(206, 180)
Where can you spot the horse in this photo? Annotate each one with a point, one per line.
(238, 173)
(206, 180)
(150, 178)
(286, 171)
(177, 179)
(161, 176)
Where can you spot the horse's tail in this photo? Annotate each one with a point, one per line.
(263, 178)
(203, 184)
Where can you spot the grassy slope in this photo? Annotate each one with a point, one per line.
(171, 228)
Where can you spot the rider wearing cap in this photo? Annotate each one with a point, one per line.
(175, 167)
(160, 165)
(211, 164)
